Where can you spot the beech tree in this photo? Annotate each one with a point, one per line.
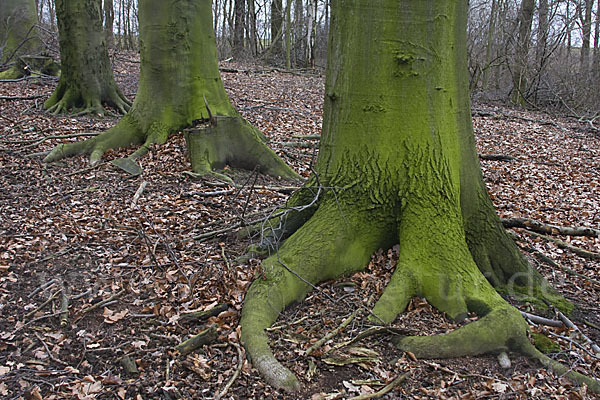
(180, 86)
(86, 81)
(398, 146)
(18, 19)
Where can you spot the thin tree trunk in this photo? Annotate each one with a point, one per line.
(239, 27)
(522, 52)
(288, 34)
(542, 34)
(586, 32)
(596, 61)
(109, 18)
(252, 36)
(276, 26)
(490, 41)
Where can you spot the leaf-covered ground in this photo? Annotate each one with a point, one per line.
(129, 272)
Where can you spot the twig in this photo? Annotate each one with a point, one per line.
(496, 157)
(36, 96)
(138, 193)
(29, 314)
(571, 325)
(541, 320)
(202, 315)
(52, 357)
(383, 391)
(32, 321)
(235, 375)
(549, 229)
(211, 194)
(100, 304)
(331, 334)
(42, 287)
(590, 255)
(84, 170)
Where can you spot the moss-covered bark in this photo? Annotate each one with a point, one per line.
(18, 34)
(179, 85)
(397, 144)
(86, 82)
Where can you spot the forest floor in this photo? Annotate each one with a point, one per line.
(130, 272)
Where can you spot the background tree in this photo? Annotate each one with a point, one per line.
(86, 81)
(180, 86)
(109, 19)
(18, 34)
(239, 27)
(520, 62)
(398, 146)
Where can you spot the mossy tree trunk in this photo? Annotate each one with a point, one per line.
(86, 82)
(18, 19)
(398, 146)
(179, 86)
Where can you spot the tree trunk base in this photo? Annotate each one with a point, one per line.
(73, 99)
(234, 142)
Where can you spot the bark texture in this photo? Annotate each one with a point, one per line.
(179, 86)
(86, 82)
(18, 35)
(398, 146)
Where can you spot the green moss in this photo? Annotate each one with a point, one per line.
(544, 344)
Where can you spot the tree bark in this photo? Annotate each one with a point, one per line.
(239, 27)
(276, 26)
(86, 81)
(180, 86)
(109, 18)
(398, 144)
(585, 19)
(18, 34)
(522, 52)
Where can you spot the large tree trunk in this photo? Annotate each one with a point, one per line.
(398, 145)
(18, 19)
(179, 86)
(86, 81)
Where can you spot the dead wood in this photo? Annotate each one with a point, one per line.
(203, 315)
(549, 229)
(207, 336)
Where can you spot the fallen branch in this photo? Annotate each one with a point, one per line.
(33, 97)
(571, 325)
(549, 229)
(207, 336)
(138, 193)
(202, 315)
(590, 255)
(541, 320)
(331, 334)
(544, 258)
(44, 304)
(235, 375)
(383, 391)
(496, 157)
(100, 304)
(309, 145)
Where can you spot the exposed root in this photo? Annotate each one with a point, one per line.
(230, 140)
(72, 100)
(327, 246)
